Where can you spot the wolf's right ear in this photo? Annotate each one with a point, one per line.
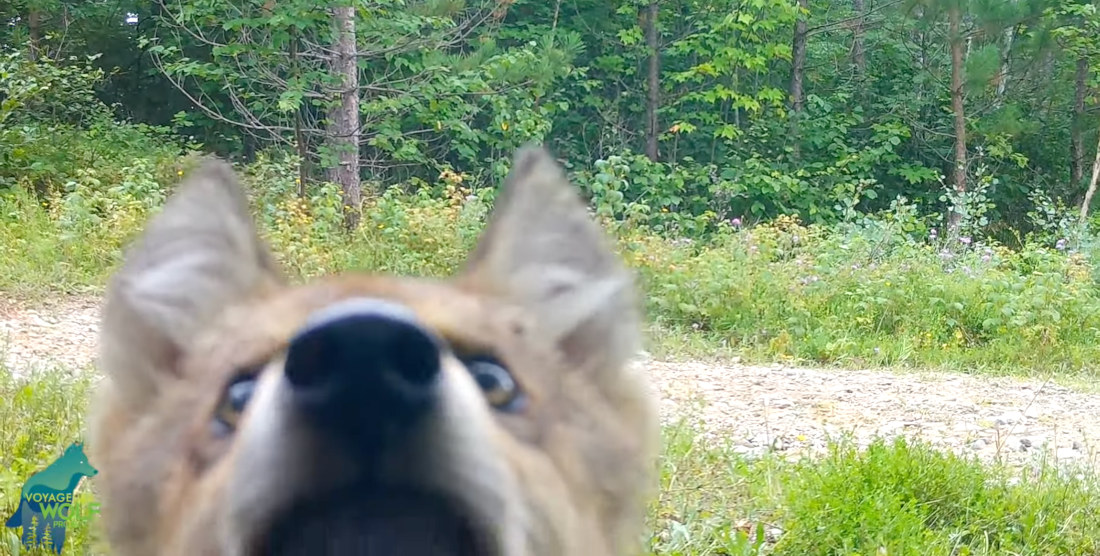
(542, 250)
(199, 254)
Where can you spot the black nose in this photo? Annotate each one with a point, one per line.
(364, 370)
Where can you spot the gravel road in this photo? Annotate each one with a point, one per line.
(755, 408)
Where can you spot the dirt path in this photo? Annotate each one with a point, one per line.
(1018, 421)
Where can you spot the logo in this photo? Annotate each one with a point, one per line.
(46, 501)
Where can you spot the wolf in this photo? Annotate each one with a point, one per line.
(45, 500)
(494, 412)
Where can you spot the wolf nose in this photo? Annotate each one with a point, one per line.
(362, 367)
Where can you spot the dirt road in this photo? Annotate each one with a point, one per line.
(755, 408)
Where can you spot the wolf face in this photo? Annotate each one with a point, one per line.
(492, 414)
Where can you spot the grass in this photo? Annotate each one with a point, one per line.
(894, 497)
(891, 498)
(860, 295)
(40, 415)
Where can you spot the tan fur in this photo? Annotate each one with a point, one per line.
(199, 298)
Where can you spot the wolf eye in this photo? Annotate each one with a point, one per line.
(234, 400)
(497, 383)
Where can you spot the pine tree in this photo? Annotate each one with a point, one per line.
(47, 538)
(31, 532)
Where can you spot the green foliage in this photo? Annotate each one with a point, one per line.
(877, 292)
(892, 497)
(432, 97)
(41, 413)
(904, 498)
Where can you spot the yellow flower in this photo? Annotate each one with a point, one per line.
(504, 126)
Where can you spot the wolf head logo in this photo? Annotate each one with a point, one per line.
(45, 501)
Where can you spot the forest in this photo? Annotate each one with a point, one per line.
(902, 184)
(981, 115)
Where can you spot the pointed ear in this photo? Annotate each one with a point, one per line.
(542, 250)
(199, 254)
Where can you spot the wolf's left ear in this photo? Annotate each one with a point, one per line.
(198, 255)
(541, 249)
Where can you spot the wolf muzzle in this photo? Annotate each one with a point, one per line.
(365, 370)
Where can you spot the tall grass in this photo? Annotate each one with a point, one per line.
(866, 294)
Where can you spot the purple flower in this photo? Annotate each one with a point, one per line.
(1060, 245)
(965, 240)
(932, 233)
(736, 222)
(986, 258)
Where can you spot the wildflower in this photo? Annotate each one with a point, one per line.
(932, 233)
(986, 258)
(736, 222)
(965, 240)
(1061, 244)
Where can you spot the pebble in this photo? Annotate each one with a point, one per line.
(997, 419)
(789, 410)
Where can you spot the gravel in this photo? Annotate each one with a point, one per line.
(788, 410)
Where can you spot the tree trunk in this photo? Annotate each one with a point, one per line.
(344, 127)
(859, 56)
(798, 64)
(954, 17)
(33, 26)
(1077, 143)
(1092, 185)
(1002, 82)
(654, 99)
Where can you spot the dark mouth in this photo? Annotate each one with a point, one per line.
(373, 523)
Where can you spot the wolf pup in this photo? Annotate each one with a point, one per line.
(490, 414)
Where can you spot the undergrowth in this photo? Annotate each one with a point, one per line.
(877, 291)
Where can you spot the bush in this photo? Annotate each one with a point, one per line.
(881, 290)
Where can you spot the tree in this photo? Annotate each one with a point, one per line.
(1092, 185)
(958, 107)
(344, 127)
(427, 86)
(859, 55)
(798, 64)
(1077, 142)
(654, 81)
